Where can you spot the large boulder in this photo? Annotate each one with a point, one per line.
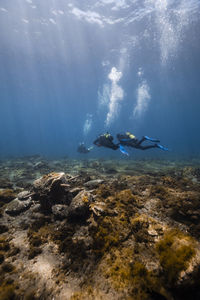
(79, 208)
(60, 211)
(52, 189)
(92, 184)
(16, 207)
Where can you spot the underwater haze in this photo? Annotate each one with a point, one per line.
(71, 70)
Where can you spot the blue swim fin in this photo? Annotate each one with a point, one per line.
(162, 147)
(121, 148)
(150, 139)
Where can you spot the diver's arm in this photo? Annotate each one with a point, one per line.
(90, 148)
(114, 146)
(96, 143)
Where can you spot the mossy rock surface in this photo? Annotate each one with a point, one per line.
(7, 292)
(118, 244)
(4, 243)
(175, 252)
(7, 195)
(3, 228)
(129, 276)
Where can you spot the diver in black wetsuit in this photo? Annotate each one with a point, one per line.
(82, 149)
(128, 139)
(106, 140)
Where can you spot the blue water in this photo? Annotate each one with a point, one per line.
(71, 70)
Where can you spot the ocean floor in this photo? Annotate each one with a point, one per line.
(99, 229)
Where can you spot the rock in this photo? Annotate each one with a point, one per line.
(93, 183)
(82, 236)
(99, 209)
(191, 172)
(196, 172)
(6, 195)
(185, 207)
(16, 207)
(24, 195)
(5, 183)
(23, 184)
(35, 208)
(3, 228)
(110, 171)
(40, 165)
(60, 211)
(79, 207)
(75, 191)
(52, 189)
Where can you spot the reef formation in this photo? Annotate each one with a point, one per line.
(99, 229)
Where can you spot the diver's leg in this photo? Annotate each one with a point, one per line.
(147, 147)
(146, 138)
(152, 146)
(151, 139)
(141, 141)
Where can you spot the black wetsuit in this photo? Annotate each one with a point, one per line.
(106, 140)
(82, 149)
(127, 140)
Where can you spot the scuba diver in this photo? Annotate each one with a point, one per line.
(82, 149)
(106, 140)
(128, 139)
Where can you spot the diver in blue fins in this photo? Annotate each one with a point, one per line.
(129, 140)
(106, 140)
